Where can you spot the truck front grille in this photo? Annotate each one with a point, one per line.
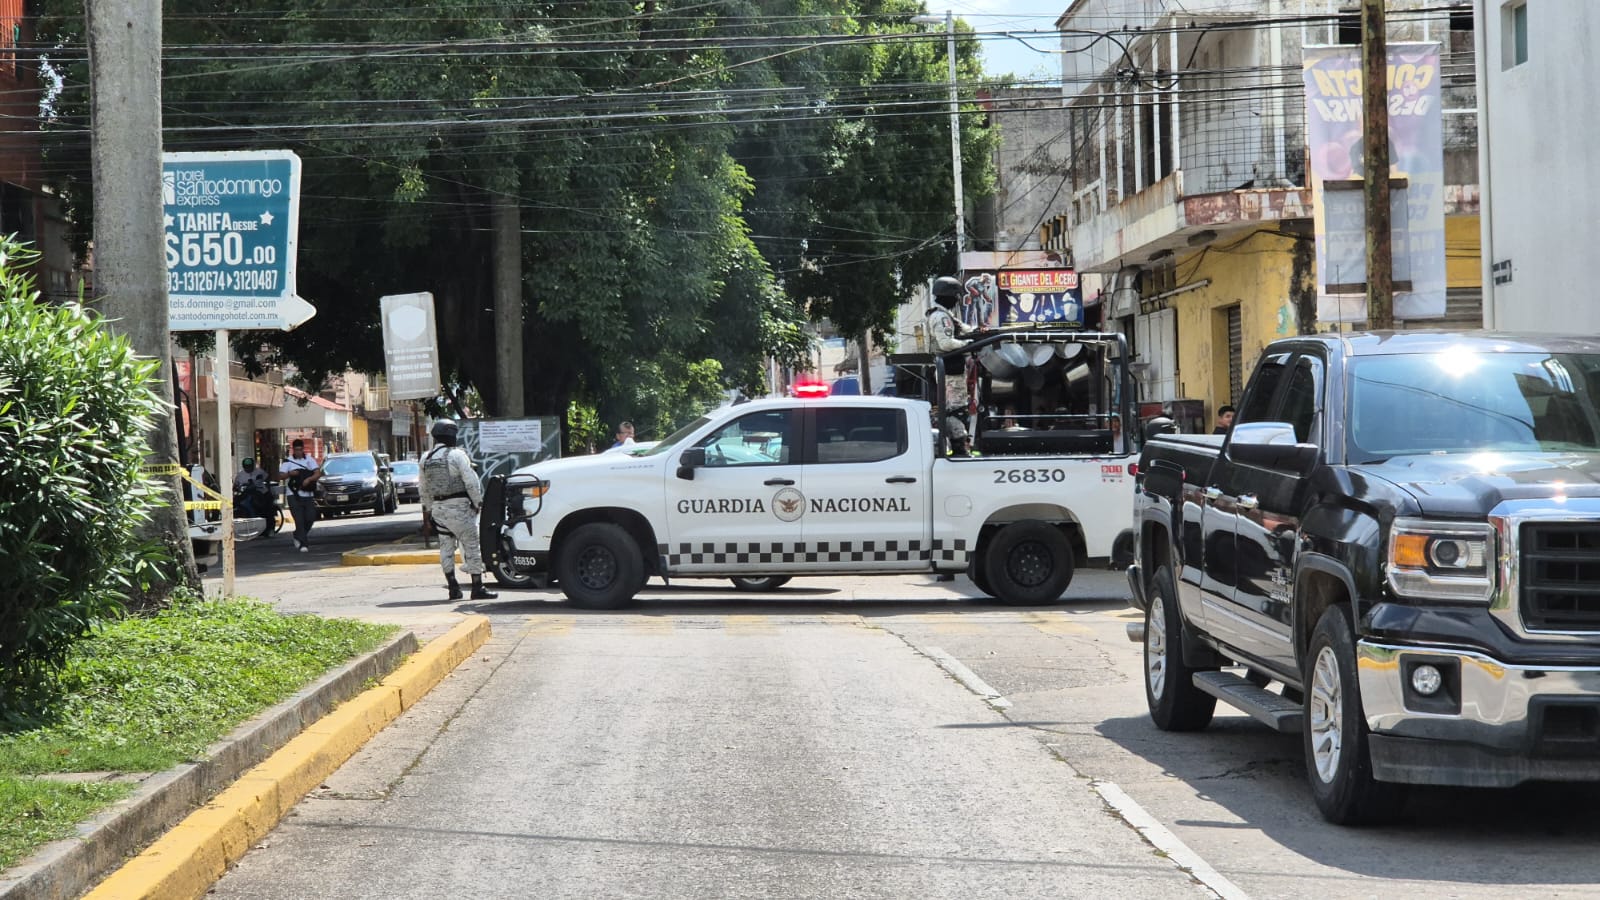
(1561, 576)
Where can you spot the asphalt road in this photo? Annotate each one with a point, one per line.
(884, 737)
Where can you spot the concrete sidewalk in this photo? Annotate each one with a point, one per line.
(262, 769)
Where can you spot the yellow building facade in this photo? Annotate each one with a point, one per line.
(1246, 301)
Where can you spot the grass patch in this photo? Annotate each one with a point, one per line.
(38, 812)
(144, 694)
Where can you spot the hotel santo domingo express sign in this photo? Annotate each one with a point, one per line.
(231, 221)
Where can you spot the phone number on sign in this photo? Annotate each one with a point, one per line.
(208, 282)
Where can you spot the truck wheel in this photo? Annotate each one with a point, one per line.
(753, 585)
(1028, 563)
(599, 566)
(1175, 703)
(1337, 760)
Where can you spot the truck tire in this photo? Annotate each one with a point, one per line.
(1028, 563)
(751, 584)
(1338, 763)
(1175, 703)
(599, 566)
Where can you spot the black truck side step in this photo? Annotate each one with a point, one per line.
(1260, 704)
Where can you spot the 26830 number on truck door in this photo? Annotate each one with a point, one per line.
(778, 488)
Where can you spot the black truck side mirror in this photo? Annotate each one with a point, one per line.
(1271, 445)
(692, 458)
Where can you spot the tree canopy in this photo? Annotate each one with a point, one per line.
(695, 180)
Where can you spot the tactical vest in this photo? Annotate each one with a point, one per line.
(441, 477)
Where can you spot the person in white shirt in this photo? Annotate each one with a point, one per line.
(300, 474)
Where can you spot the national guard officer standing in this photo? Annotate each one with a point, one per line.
(451, 497)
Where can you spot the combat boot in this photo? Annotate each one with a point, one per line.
(479, 592)
(454, 585)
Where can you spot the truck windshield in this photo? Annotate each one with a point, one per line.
(676, 437)
(1458, 401)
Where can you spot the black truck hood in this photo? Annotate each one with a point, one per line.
(1472, 484)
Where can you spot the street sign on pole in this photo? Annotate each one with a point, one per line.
(232, 223)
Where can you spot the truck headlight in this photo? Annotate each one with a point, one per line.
(1437, 560)
(525, 499)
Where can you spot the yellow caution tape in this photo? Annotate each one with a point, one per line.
(181, 472)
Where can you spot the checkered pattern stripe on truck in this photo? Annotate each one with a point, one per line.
(759, 553)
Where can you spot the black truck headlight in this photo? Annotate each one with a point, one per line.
(1436, 560)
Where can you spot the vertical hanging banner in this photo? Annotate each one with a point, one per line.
(1333, 81)
(410, 346)
(232, 222)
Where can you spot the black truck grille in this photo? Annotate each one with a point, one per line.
(1561, 576)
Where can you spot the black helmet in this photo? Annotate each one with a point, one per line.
(946, 290)
(1158, 426)
(445, 430)
(247, 462)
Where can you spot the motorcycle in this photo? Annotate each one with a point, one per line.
(257, 500)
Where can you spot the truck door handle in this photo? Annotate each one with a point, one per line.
(1213, 493)
(900, 479)
(1248, 501)
(774, 482)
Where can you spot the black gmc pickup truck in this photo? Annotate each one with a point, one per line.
(1402, 532)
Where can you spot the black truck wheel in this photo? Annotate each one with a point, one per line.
(599, 566)
(1337, 760)
(1175, 703)
(754, 585)
(1028, 563)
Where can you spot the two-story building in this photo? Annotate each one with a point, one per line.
(1188, 180)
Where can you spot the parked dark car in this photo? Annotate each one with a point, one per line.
(358, 480)
(408, 481)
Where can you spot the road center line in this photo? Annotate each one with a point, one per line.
(967, 677)
(1164, 840)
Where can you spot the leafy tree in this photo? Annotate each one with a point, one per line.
(674, 164)
(75, 406)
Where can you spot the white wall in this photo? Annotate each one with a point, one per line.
(1537, 171)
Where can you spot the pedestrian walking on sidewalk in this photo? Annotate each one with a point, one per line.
(451, 498)
(300, 474)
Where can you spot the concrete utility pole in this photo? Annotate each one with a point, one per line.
(1375, 164)
(508, 304)
(130, 268)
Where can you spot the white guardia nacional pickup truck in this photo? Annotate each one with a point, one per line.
(771, 489)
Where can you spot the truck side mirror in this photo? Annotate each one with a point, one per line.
(692, 458)
(1271, 445)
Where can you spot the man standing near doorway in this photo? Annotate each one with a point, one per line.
(451, 497)
(1224, 420)
(300, 474)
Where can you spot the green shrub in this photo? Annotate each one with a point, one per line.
(75, 408)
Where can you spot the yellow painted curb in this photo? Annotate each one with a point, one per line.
(192, 856)
(383, 555)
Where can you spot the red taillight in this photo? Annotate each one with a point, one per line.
(1133, 469)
